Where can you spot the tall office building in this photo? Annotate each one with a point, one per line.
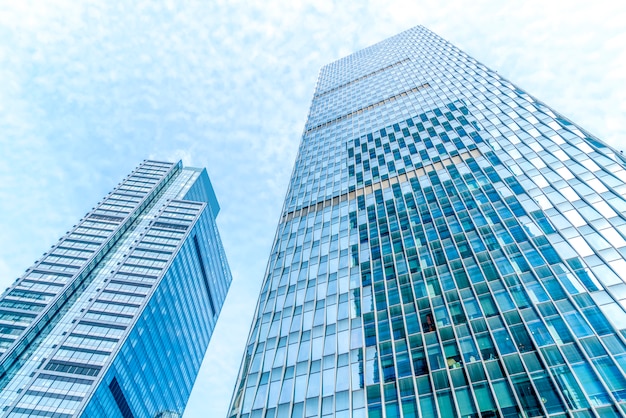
(114, 320)
(449, 246)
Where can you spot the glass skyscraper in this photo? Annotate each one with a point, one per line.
(114, 320)
(449, 246)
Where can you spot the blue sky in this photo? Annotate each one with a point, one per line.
(91, 88)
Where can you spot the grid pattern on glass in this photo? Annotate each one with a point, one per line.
(157, 364)
(458, 251)
(83, 343)
(95, 337)
(367, 107)
(62, 270)
(360, 78)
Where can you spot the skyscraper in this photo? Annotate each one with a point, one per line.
(449, 246)
(114, 320)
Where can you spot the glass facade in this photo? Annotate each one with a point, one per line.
(115, 319)
(449, 246)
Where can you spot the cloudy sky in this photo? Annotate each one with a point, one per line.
(89, 89)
